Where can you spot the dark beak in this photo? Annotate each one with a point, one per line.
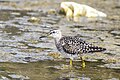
(44, 36)
(49, 33)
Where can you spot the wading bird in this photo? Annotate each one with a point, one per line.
(72, 45)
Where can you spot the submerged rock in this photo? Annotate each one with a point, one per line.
(114, 79)
(74, 78)
(112, 65)
(18, 77)
(3, 78)
(116, 33)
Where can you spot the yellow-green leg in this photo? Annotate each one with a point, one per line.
(68, 66)
(71, 63)
(83, 62)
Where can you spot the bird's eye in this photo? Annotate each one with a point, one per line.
(53, 32)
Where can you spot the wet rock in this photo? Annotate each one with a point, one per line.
(6, 15)
(18, 60)
(11, 30)
(51, 19)
(54, 67)
(112, 65)
(51, 22)
(118, 44)
(51, 11)
(34, 20)
(117, 6)
(77, 26)
(54, 55)
(29, 37)
(110, 59)
(24, 57)
(46, 26)
(15, 13)
(115, 33)
(73, 78)
(117, 37)
(12, 44)
(3, 78)
(42, 45)
(5, 56)
(114, 17)
(95, 57)
(35, 59)
(61, 67)
(114, 79)
(18, 77)
(1, 23)
(91, 60)
(32, 13)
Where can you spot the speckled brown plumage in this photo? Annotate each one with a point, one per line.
(75, 45)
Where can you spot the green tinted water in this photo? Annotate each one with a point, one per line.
(51, 70)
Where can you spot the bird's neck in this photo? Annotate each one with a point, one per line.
(57, 39)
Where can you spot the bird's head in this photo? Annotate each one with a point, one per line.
(54, 33)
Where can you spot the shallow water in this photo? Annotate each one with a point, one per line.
(24, 56)
(52, 70)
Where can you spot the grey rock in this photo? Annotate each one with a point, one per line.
(116, 33)
(19, 77)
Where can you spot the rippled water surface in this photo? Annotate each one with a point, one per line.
(53, 70)
(24, 56)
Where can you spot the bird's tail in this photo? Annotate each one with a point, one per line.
(96, 49)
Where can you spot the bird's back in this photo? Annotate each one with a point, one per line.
(75, 45)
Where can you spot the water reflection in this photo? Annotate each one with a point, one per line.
(42, 71)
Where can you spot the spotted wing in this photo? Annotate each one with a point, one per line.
(72, 45)
(75, 45)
